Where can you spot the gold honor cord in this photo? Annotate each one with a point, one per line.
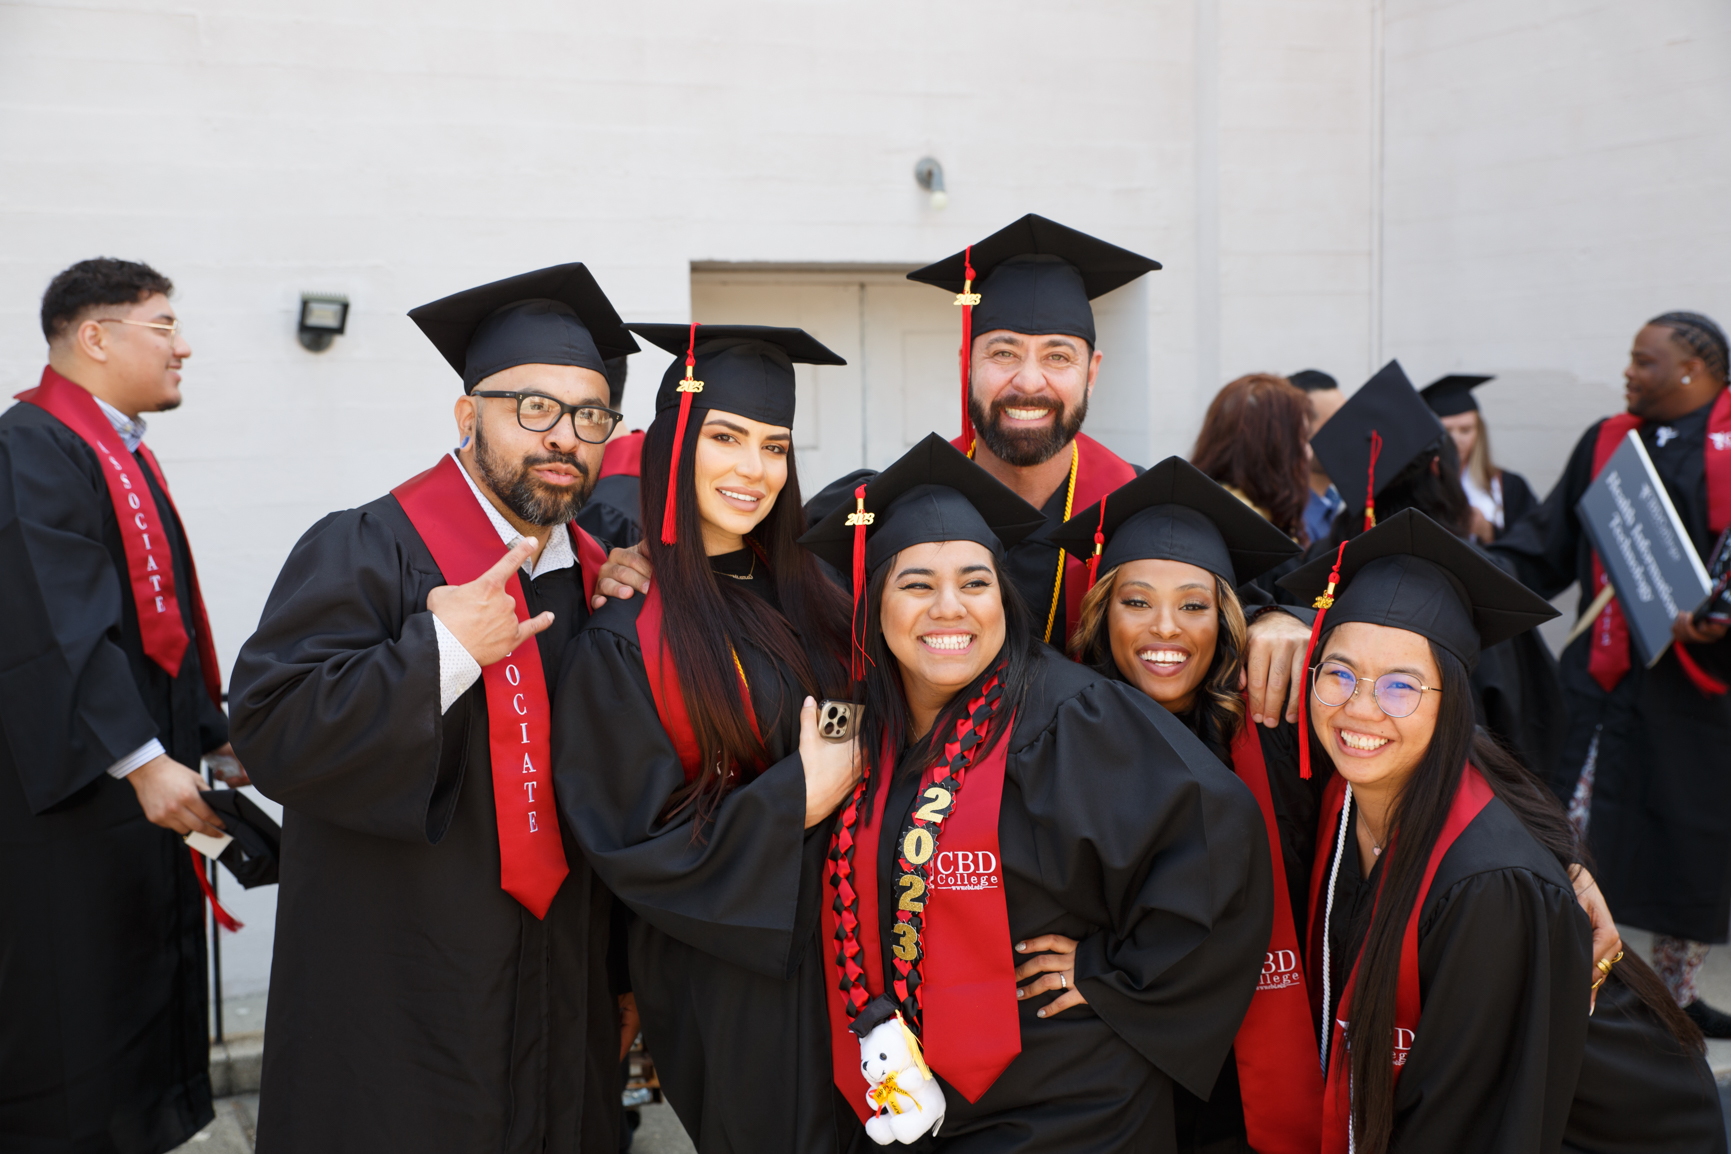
(1069, 502)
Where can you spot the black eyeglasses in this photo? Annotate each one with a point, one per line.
(538, 413)
(1396, 694)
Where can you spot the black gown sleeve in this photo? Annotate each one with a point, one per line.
(69, 702)
(1140, 830)
(1518, 499)
(1544, 546)
(1504, 964)
(335, 699)
(735, 892)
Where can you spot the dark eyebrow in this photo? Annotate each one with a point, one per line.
(916, 573)
(1408, 670)
(976, 568)
(1152, 589)
(1004, 339)
(1064, 342)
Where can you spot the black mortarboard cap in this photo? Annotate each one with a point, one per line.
(253, 854)
(745, 369)
(873, 1014)
(1175, 512)
(1411, 573)
(1313, 380)
(553, 316)
(1452, 395)
(1389, 406)
(933, 493)
(1037, 276)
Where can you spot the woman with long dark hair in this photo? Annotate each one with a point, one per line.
(1252, 442)
(1023, 818)
(687, 757)
(1448, 959)
(1168, 549)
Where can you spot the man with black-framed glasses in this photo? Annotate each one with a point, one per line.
(435, 914)
(110, 695)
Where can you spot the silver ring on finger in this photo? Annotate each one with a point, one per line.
(1062, 984)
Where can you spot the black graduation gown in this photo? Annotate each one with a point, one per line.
(1215, 1125)
(724, 943)
(103, 1038)
(1505, 954)
(1660, 828)
(610, 514)
(1117, 828)
(413, 1003)
(1518, 499)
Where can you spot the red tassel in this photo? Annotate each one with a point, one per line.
(1703, 680)
(859, 519)
(669, 532)
(223, 918)
(967, 298)
(1370, 486)
(1099, 544)
(1322, 605)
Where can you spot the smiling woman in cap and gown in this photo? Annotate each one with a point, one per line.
(1499, 497)
(1012, 796)
(1165, 553)
(1448, 959)
(440, 977)
(685, 766)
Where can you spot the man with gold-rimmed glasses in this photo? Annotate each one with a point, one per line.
(434, 912)
(109, 696)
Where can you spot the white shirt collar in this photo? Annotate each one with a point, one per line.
(130, 429)
(555, 555)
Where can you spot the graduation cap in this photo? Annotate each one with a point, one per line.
(1452, 395)
(1411, 573)
(1175, 512)
(1313, 380)
(1034, 277)
(742, 369)
(1376, 434)
(253, 854)
(553, 316)
(933, 493)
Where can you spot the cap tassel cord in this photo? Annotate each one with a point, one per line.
(1370, 486)
(223, 918)
(1322, 605)
(967, 298)
(1099, 544)
(859, 519)
(669, 532)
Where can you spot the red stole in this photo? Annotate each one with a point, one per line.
(968, 1000)
(1471, 797)
(1278, 1066)
(152, 580)
(464, 544)
(623, 456)
(1608, 658)
(665, 688)
(1099, 471)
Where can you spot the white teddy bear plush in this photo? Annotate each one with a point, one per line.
(906, 1100)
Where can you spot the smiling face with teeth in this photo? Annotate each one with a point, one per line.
(943, 619)
(740, 468)
(1164, 625)
(1029, 394)
(1375, 752)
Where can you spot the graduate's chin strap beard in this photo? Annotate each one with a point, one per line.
(523, 494)
(1034, 447)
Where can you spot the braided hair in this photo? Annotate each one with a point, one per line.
(1697, 333)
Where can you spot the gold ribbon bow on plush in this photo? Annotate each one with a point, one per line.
(886, 1092)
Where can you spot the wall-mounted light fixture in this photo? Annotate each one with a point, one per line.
(324, 317)
(930, 175)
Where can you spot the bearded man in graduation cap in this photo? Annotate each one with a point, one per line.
(441, 978)
(1029, 362)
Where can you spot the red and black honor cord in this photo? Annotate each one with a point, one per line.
(917, 847)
